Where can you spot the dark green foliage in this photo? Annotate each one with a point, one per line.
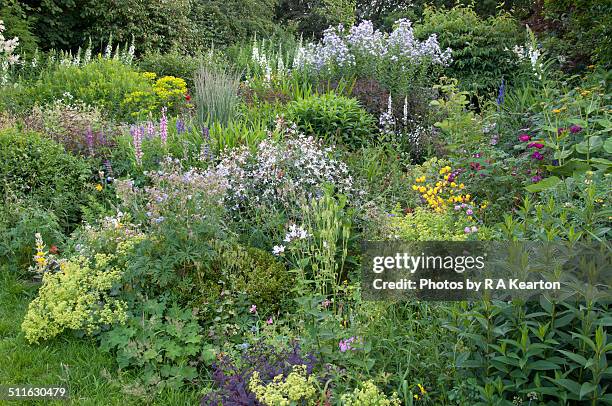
(580, 30)
(189, 25)
(257, 273)
(557, 350)
(482, 47)
(172, 63)
(17, 22)
(32, 166)
(312, 17)
(332, 117)
(224, 22)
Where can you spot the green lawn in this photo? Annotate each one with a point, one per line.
(75, 363)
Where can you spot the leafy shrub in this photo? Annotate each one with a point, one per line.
(216, 95)
(334, 118)
(102, 83)
(571, 24)
(172, 63)
(77, 297)
(163, 340)
(224, 22)
(75, 125)
(256, 272)
(481, 47)
(553, 351)
(35, 167)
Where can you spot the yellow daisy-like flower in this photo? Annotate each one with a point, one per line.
(422, 389)
(99, 187)
(556, 111)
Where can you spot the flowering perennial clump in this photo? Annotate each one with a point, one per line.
(340, 49)
(443, 192)
(297, 388)
(369, 395)
(280, 173)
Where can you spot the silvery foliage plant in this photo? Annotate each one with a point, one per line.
(280, 173)
(342, 49)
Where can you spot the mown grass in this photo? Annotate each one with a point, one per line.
(76, 363)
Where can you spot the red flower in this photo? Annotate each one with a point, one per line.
(187, 97)
(53, 249)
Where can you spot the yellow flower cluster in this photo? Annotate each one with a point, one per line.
(369, 395)
(443, 192)
(40, 258)
(76, 297)
(163, 92)
(169, 87)
(422, 392)
(297, 388)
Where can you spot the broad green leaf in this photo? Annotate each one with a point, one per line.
(544, 184)
(591, 145)
(586, 388)
(574, 357)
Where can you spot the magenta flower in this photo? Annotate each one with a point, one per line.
(270, 321)
(469, 212)
(536, 179)
(561, 130)
(575, 129)
(537, 155)
(524, 137)
(467, 230)
(535, 145)
(253, 309)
